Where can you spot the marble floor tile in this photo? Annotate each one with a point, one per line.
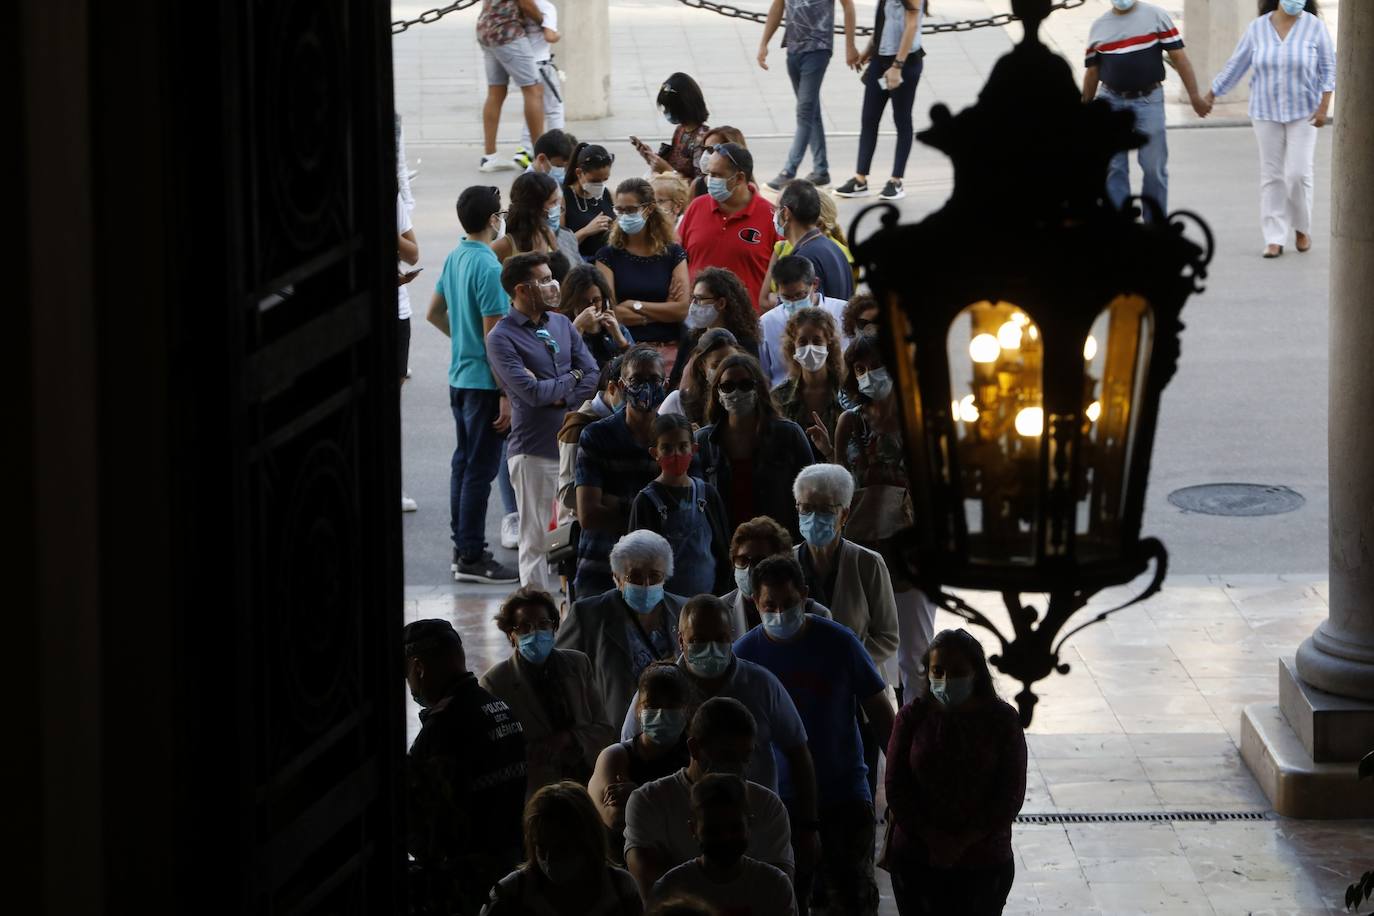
(1098, 795)
(1241, 793)
(1167, 745)
(1123, 841)
(1112, 870)
(1192, 769)
(1080, 745)
(1165, 724)
(1108, 769)
(1162, 895)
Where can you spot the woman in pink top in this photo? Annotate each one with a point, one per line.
(956, 778)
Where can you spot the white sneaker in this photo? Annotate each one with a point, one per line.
(510, 531)
(408, 504)
(494, 163)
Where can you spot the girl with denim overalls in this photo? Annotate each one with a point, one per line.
(687, 511)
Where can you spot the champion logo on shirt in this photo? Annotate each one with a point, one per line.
(750, 235)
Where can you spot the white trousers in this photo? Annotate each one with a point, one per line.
(915, 630)
(1286, 151)
(553, 102)
(536, 485)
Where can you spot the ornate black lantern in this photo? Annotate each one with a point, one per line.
(1031, 327)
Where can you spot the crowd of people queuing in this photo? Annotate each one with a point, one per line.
(684, 378)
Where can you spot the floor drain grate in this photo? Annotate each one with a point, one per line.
(1237, 499)
(1142, 817)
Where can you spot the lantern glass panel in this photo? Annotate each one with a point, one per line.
(1115, 366)
(996, 355)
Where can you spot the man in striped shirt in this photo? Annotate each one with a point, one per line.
(1125, 66)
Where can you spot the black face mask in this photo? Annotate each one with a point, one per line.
(724, 852)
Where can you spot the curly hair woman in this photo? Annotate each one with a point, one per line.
(719, 300)
(811, 395)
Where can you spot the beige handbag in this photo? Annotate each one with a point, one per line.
(878, 512)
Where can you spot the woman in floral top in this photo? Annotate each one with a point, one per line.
(956, 779)
(682, 104)
(811, 395)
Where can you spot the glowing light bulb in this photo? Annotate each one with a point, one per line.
(1033, 332)
(966, 409)
(984, 349)
(954, 409)
(1020, 319)
(1009, 336)
(1090, 348)
(1094, 411)
(1030, 421)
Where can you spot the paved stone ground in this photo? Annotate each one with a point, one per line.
(1149, 717)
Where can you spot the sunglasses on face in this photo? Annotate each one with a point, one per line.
(744, 384)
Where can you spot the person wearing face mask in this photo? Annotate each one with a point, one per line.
(665, 706)
(798, 288)
(630, 626)
(721, 739)
(868, 443)
(749, 453)
(589, 303)
(465, 767)
(722, 875)
(1125, 68)
(827, 674)
(550, 691)
(1293, 62)
(753, 542)
(797, 218)
(719, 300)
(810, 395)
(544, 367)
(709, 662)
(587, 209)
(468, 302)
(956, 779)
(552, 152)
(723, 133)
(685, 510)
(534, 223)
(566, 871)
(682, 105)
(614, 464)
(689, 397)
(597, 407)
(647, 269)
(671, 195)
(732, 226)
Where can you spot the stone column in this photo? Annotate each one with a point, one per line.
(1339, 656)
(1211, 29)
(584, 54)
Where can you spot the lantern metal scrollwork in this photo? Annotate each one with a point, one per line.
(1032, 327)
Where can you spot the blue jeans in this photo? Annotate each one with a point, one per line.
(806, 70)
(475, 460)
(504, 485)
(1153, 156)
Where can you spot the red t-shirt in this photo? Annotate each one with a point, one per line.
(742, 242)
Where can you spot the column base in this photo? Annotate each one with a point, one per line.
(1336, 666)
(1332, 729)
(1295, 785)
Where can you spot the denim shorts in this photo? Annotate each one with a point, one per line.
(511, 63)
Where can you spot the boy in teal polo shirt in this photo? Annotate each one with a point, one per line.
(468, 302)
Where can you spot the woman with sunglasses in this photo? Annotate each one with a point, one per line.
(682, 105)
(534, 224)
(647, 270)
(689, 398)
(719, 300)
(587, 209)
(749, 453)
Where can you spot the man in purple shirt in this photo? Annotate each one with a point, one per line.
(545, 369)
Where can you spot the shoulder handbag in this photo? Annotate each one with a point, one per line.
(878, 512)
(560, 544)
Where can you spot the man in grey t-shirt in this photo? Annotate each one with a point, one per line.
(810, 41)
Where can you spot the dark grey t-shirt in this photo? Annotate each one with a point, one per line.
(810, 26)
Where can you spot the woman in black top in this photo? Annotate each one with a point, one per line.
(666, 703)
(587, 207)
(588, 303)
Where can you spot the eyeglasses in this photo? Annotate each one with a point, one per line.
(626, 211)
(744, 384)
(705, 300)
(722, 148)
(549, 341)
(525, 629)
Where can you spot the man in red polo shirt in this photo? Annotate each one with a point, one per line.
(731, 226)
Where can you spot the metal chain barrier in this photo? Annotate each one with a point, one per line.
(434, 15)
(734, 12)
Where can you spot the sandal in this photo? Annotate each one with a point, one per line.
(1303, 237)
(1269, 253)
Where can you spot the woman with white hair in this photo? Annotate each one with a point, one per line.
(626, 629)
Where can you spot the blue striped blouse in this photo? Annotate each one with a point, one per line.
(1290, 74)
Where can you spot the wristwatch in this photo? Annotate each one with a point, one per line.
(576, 374)
(639, 310)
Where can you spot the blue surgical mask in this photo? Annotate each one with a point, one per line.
(785, 624)
(1293, 7)
(708, 659)
(663, 726)
(631, 223)
(818, 528)
(558, 173)
(555, 217)
(743, 582)
(778, 225)
(789, 306)
(667, 116)
(718, 188)
(875, 384)
(951, 691)
(642, 598)
(645, 396)
(536, 646)
(1123, 5)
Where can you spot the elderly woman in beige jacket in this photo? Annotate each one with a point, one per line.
(551, 692)
(851, 580)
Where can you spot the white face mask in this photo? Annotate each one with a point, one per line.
(700, 315)
(811, 357)
(500, 229)
(594, 188)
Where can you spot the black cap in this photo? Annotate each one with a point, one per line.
(423, 636)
